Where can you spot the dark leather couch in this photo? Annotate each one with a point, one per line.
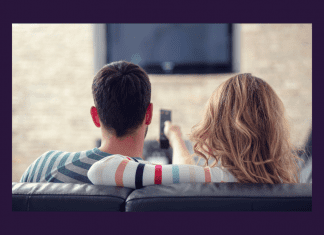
(176, 197)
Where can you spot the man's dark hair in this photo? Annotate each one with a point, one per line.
(121, 92)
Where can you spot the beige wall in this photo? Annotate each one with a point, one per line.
(53, 72)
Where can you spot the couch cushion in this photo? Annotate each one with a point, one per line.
(221, 197)
(67, 197)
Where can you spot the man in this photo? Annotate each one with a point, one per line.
(122, 95)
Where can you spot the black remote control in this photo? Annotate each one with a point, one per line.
(165, 115)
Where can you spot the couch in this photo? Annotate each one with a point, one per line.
(175, 197)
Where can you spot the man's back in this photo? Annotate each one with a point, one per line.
(63, 167)
(123, 124)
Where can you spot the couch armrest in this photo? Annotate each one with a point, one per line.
(67, 197)
(221, 197)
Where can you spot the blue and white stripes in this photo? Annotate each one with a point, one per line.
(63, 167)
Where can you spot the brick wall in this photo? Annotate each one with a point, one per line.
(53, 68)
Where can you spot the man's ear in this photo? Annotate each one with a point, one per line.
(149, 114)
(95, 117)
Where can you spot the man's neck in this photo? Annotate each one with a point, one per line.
(131, 146)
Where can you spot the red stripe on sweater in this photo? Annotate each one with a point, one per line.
(158, 174)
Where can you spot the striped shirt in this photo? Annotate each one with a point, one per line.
(118, 170)
(63, 167)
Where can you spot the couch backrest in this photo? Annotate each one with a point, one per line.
(222, 197)
(67, 197)
(175, 197)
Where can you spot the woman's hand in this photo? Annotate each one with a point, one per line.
(172, 132)
(181, 154)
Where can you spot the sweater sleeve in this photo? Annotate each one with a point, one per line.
(117, 170)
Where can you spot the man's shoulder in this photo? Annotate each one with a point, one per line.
(79, 153)
(62, 166)
(53, 154)
(61, 157)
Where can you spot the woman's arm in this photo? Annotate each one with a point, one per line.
(181, 154)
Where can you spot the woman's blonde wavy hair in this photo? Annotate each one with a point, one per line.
(245, 128)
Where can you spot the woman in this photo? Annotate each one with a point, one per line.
(243, 130)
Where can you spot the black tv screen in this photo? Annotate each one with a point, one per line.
(172, 48)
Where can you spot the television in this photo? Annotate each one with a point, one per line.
(172, 48)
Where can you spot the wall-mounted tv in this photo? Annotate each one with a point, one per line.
(173, 48)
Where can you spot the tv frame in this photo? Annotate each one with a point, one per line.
(101, 57)
(185, 68)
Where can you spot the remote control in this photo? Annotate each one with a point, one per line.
(165, 115)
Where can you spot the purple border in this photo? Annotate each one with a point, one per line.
(162, 223)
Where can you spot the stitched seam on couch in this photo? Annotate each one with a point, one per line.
(53, 194)
(243, 197)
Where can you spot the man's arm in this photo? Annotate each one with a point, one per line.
(117, 170)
